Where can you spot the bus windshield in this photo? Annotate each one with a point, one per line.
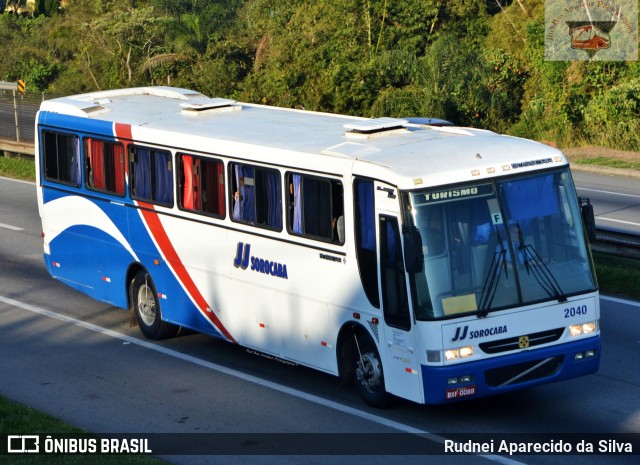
(499, 244)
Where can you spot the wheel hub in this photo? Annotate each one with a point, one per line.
(369, 371)
(146, 305)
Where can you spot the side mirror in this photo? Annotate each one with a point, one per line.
(588, 218)
(413, 256)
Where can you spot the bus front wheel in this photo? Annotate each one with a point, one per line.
(147, 309)
(369, 377)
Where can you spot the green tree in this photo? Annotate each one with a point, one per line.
(189, 30)
(335, 56)
(613, 117)
(47, 7)
(117, 39)
(25, 55)
(475, 62)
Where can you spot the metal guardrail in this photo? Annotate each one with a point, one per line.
(17, 120)
(16, 111)
(616, 243)
(22, 148)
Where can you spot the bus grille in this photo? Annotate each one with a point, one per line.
(523, 372)
(513, 343)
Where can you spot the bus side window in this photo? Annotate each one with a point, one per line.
(61, 157)
(104, 166)
(365, 236)
(201, 185)
(394, 289)
(257, 196)
(316, 207)
(152, 177)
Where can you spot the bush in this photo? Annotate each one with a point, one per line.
(613, 118)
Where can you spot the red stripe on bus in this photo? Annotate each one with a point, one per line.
(155, 226)
(123, 131)
(123, 134)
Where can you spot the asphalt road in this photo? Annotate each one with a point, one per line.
(80, 360)
(615, 200)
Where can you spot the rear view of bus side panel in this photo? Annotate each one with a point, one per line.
(83, 240)
(84, 246)
(92, 231)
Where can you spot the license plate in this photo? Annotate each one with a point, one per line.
(459, 392)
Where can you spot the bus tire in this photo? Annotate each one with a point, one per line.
(146, 307)
(368, 373)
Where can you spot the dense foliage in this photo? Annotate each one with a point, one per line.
(475, 62)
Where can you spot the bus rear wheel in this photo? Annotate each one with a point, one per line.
(369, 377)
(147, 309)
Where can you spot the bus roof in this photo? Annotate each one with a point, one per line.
(402, 153)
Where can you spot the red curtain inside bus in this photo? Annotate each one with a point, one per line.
(96, 164)
(187, 187)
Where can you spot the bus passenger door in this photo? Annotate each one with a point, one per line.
(401, 368)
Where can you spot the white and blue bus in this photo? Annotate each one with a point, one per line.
(433, 263)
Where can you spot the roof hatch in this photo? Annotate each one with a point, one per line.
(374, 126)
(95, 110)
(207, 105)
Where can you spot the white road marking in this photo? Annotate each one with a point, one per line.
(617, 221)
(620, 301)
(12, 228)
(607, 192)
(18, 180)
(602, 218)
(246, 377)
(8, 226)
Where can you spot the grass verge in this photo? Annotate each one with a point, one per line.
(19, 167)
(618, 276)
(18, 419)
(609, 162)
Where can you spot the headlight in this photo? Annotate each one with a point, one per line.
(461, 352)
(466, 351)
(584, 328)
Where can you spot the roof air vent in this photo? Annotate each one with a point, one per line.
(374, 126)
(209, 105)
(95, 110)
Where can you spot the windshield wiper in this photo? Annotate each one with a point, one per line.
(498, 263)
(536, 267)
